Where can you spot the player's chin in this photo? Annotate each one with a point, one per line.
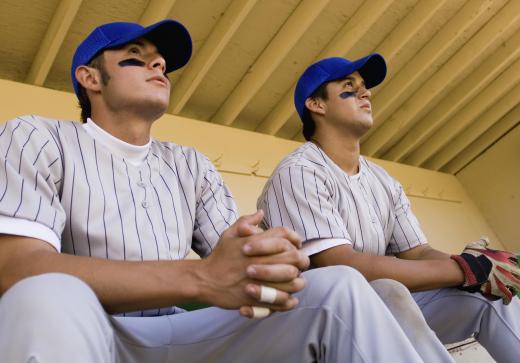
(156, 108)
(366, 121)
(160, 100)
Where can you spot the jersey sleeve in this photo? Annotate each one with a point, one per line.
(215, 209)
(30, 180)
(407, 232)
(302, 198)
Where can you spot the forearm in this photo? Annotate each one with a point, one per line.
(121, 286)
(423, 252)
(231, 277)
(417, 275)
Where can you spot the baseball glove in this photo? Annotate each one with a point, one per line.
(495, 274)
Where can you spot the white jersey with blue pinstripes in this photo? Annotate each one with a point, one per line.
(86, 194)
(309, 193)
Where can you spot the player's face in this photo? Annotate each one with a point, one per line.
(137, 80)
(348, 104)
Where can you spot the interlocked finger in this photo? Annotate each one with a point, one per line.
(267, 294)
(273, 273)
(259, 312)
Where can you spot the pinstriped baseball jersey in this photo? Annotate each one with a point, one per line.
(88, 193)
(309, 193)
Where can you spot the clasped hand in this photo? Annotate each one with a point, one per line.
(247, 258)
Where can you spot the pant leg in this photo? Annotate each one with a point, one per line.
(455, 315)
(54, 318)
(401, 304)
(57, 318)
(339, 319)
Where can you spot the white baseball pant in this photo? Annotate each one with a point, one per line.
(57, 318)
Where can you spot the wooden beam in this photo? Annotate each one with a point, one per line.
(462, 119)
(200, 64)
(479, 126)
(463, 93)
(51, 44)
(511, 120)
(156, 10)
(370, 12)
(290, 33)
(407, 80)
(480, 46)
(421, 15)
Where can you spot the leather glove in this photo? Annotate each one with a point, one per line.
(493, 273)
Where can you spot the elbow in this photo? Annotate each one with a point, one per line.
(7, 279)
(19, 258)
(339, 255)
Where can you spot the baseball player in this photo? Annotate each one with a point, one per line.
(97, 218)
(350, 211)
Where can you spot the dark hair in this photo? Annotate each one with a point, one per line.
(309, 126)
(98, 62)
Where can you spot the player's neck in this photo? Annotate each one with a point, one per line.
(344, 151)
(124, 126)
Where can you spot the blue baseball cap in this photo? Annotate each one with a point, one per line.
(372, 68)
(171, 38)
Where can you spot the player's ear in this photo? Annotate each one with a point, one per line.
(316, 105)
(89, 78)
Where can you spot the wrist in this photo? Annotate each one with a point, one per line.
(202, 282)
(458, 271)
(188, 285)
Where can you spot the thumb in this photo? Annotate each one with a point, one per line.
(245, 225)
(248, 224)
(254, 218)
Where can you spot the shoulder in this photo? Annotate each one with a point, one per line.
(306, 164)
(171, 149)
(307, 156)
(182, 156)
(30, 122)
(42, 125)
(34, 128)
(39, 122)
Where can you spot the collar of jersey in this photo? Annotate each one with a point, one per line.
(133, 153)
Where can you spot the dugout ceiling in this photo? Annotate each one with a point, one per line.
(453, 87)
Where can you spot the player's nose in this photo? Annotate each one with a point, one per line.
(363, 92)
(158, 62)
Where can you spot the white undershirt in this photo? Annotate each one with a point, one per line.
(135, 154)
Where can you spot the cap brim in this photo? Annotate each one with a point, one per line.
(171, 38)
(372, 68)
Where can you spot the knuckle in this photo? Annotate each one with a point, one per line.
(299, 283)
(294, 272)
(296, 285)
(287, 245)
(305, 260)
(240, 221)
(284, 230)
(282, 297)
(294, 255)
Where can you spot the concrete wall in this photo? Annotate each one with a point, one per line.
(448, 215)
